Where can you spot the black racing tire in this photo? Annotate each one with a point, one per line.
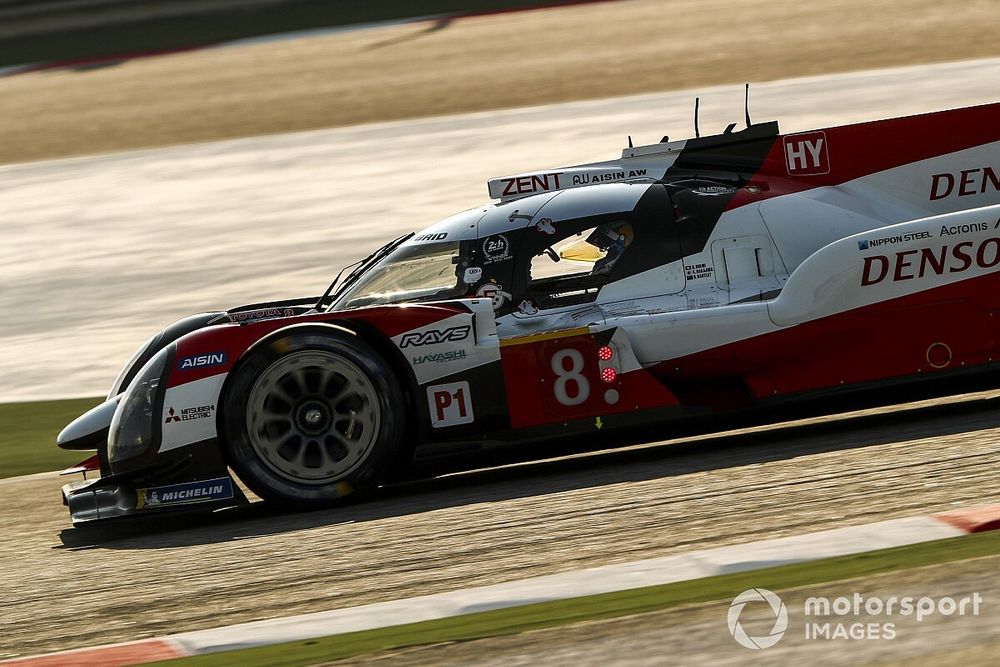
(313, 418)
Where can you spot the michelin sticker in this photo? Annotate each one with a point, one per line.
(189, 492)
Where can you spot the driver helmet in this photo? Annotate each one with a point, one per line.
(612, 238)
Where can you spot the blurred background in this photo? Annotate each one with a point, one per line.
(164, 157)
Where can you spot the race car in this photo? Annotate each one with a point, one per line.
(718, 275)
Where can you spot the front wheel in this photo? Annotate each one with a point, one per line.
(312, 419)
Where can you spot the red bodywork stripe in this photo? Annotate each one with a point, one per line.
(234, 340)
(853, 151)
(944, 328)
(534, 389)
(92, 463)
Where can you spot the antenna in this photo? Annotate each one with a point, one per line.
(630, 141)
(696, 132)
(746, 103)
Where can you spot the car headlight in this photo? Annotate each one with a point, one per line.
(135, 428)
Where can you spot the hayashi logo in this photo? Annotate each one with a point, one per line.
(435, 336)
(806, 154)
(964, 183)
(912, 264)
(189, 414)
(440, 358)
(202, 361)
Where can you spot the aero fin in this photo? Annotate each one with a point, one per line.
(88, 465)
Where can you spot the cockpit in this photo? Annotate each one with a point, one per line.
(538, 265)
(412, 272)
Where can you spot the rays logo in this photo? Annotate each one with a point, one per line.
(777, 608)
(435, 336)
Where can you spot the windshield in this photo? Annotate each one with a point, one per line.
(409, 273)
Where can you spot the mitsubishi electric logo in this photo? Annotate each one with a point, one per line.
(187, 414)
(777, 608)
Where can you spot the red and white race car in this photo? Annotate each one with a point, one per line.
(716, 275)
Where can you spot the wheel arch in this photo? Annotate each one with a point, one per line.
(369, 334)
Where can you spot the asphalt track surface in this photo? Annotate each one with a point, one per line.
(65, 588)
(98, 253)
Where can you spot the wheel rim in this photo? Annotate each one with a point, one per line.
(313, 417)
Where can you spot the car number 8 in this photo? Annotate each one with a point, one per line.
(566, 376)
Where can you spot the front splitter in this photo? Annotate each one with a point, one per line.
(105, 499)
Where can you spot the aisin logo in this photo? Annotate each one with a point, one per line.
(780, 618)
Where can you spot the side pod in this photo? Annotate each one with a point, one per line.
(889, 263)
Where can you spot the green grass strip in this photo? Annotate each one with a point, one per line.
(609, 605)
(28, 435)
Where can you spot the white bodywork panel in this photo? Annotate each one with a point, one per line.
(459, 227)
(831, 280)
(642, 162)
(195, 407)
(802, 223)
(457, 343)
(827, 283)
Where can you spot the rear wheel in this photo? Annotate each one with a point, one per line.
(313, 419)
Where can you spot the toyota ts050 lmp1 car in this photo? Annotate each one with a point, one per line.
(719, 274)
